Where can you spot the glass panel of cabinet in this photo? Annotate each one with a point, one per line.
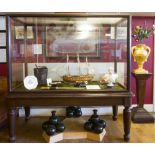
(69, 52)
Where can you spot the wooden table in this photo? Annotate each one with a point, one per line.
(69, 97)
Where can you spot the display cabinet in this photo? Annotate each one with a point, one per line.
(66, 59)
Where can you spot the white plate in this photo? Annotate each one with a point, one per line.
(30, 82)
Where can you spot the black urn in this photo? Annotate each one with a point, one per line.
(103, 123)
(95, 124)
(88, 126)
(53, 125)
(97, 128)
(73, 112)
(70, 112)
(50, 130)
(45, 125)
(94, 118)
(78, 112)
(60, 127)
(54, 119)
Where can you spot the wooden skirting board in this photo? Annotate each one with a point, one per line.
(74, 130)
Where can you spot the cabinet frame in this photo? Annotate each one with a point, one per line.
(68, 97)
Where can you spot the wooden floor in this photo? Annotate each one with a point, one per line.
(31, 132)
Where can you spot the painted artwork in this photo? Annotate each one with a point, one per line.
(19, 31)
(70, 39)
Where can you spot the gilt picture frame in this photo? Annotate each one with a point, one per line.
(62, 40)
(20, 34)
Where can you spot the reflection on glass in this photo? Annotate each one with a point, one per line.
(68, 46)
(2, 39)
(3, 23)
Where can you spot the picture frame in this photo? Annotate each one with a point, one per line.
(20, 34)
(121, 33)
(2, 39)
(30, 34)
(3, 58)
(62, 40)
(3, 23)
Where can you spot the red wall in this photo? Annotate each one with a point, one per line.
(3, 69)
(149, 64)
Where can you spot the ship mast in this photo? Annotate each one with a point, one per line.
(79, 65)
(87, 65)
(68, 72)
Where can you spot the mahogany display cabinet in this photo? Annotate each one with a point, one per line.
(61, 59)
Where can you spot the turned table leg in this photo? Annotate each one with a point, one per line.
(27, 113)
(127, 122)
(115, 112)
(12, 124)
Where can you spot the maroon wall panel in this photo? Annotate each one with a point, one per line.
(3, 69)
(149, 64)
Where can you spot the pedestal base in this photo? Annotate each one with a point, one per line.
(74, 130)
(140, 115)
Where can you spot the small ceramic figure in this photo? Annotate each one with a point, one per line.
(109, 78)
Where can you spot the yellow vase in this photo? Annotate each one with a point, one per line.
(140, 54)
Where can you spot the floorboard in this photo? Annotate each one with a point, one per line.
(31, 132)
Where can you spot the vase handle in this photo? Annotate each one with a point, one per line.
(148, 51)
(133, 50)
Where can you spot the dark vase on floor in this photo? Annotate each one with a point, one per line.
(50, 130)
(53, 125)
(60, 127)
(103, 123)
(73, 112)
(45, 125)
(78, 112)
(98, 128)
(95, 124)
(54, 119)
(94, 118)
(88, 126)
(70, 112)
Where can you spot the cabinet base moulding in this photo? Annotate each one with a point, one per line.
(74, 130)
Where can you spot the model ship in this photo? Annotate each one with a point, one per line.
(80, 77)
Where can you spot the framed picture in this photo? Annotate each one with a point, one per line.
(19, 31)
(29, 32)
(63, 39)
(121, 33)
(2, 39)
(3, 56)
(3, 23)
